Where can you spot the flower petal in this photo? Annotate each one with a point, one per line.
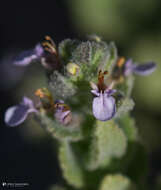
(59, 101)
(63, 117)
(95, 92)
(28, 102)
(104, 107)
(39, 51)
(26, 57)
(16, 115)
(93, 86)
(110, 91)
(145, 69)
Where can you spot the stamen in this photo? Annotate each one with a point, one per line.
(105, 72)
(63, 106)
(101, 76)
(48, 38)
(44, 93)
(121, 62)
(49, 50)
(49, 47)
(39, 93)
(101, 84)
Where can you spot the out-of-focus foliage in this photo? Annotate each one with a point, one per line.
(116, 182)
(115, 19)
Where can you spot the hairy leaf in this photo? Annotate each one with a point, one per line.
(70, 166)
(59, 131)
(123, 106)
(61, 87)
(108, 142)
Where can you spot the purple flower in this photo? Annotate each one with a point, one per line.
(26, 57)
(62, 113)
(143, 69)
(16, 115)
(103, 106)
(46, 53)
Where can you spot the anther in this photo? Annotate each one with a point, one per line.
(120, 61)
(48, 38)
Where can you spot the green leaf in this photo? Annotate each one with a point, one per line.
(60, 86)
(70, 166)
(123, 106)
(59, 131)
(126, 86)
(65, 48)
(108, 142)
(116, 182)
(83, 53)
(128, 126)
(109, 58)
(129, 83)
(88, 55)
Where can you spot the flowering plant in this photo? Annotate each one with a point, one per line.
(86, 108)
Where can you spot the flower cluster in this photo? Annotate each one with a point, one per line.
(16, 115)
(104, 102)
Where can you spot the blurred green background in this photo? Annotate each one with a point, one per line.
(134, 26)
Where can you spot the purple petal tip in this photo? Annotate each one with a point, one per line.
(16, 115)
(39, 50)
(145, 69)
(26, 57)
